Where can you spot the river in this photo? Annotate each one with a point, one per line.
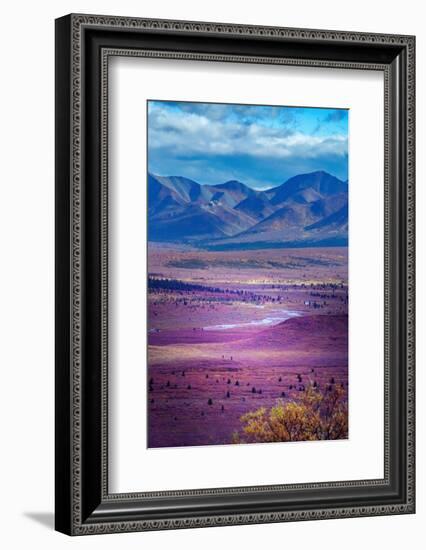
(277, 316)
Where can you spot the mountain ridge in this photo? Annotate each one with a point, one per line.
(305, 209)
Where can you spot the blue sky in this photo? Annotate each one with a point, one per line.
(261, 146)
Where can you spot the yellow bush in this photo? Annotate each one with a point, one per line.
(315, 416)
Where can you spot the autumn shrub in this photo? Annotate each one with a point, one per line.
(315, 415)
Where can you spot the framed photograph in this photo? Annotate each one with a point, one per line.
(234, 274)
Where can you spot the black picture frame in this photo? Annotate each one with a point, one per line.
(83, 45)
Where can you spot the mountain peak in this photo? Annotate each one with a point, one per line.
(319, 181)
(319, 172)
(234, 191)
(233, 185)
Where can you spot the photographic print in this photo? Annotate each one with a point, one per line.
(247, 273)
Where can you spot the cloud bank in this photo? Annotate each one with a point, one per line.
(259, 145)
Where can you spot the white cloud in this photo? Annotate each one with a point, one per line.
(192, 134)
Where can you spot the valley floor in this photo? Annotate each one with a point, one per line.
(230, 332)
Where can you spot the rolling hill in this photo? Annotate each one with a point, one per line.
(313, 332)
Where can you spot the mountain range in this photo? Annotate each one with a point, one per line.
(306, 210)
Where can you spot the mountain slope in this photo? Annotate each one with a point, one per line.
(182, 209)
(234, 191)
(319, 182)
(308, 209)
(336, 221)
(257, 206)
(188, 190)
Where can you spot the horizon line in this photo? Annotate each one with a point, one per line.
(247, 185)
